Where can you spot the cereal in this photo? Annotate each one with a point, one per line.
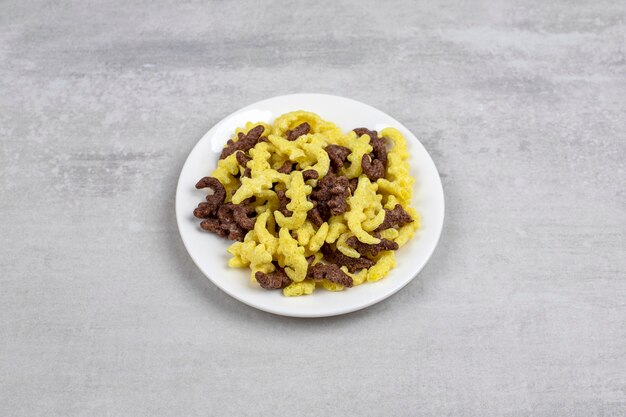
(364, 249)
(330, 272)
(244, 142)
(309, 206)
(364, 197)
(338, 156)
(291, 256)
(301, 129)
(353, 264)
(396, 217)
(272, 280)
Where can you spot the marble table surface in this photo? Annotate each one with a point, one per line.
(520, 312)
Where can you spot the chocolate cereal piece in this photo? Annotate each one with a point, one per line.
(230, 221)
(330, 272)
(243, 159)
(354, 182)
(331, 195)
(379, 145)
(204, 211)
(214, 200)
(244, 143)
(375, 164)
(310, 174)
(315, 216)
(237, 213)
(353, 264)
(396, 217)
(283, 200)
(286, 168)
(273, 280)
(295, 133)
(338, 156)
(373, 168)
(374, 249)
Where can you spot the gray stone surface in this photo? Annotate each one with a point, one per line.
(521, 311)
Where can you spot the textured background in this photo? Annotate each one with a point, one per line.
(521, 311)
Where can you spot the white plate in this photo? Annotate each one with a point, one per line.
(209, 251)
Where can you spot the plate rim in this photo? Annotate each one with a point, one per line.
(306, 314)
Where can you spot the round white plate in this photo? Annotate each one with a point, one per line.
(209, 251)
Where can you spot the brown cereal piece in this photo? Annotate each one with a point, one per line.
(295, 133)
(330, 272)
(338, 156)
(214, 200)
(231, 221)
(354, 182)
(310, 259)
(283, 200)
(375, 164)
(237, 213)
(353, 264)
(204, 211)
(373, 168)
(373, 250)
(315, 216)
(331, 195)
(396, 217)
(227, 230)
(273, 280)
(245, 142)
(243, 159)
(379, 144)
(286, 168)
(310, 174)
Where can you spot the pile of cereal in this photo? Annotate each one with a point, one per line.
(310, 206)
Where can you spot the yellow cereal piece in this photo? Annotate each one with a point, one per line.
(296, 289)
(305, 233)
(299, 205)
(397, 181)
(261, 155)
(262, 267)
(316, 242)
(290, 120)
(359, 146)
(331, 286)
(315, 150)
(262, 181)
(374, 220)
(317, 257)
(407, 231)
(264, 236)
(278, 160)
(385, 263)
(391, 201)
(293, 259)
(237, 262)
(266, 200)
(357, 278)
(365, 196)
(336, 226)
(390, 234)
(291, 149)
(249, 252)
(346, 249)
